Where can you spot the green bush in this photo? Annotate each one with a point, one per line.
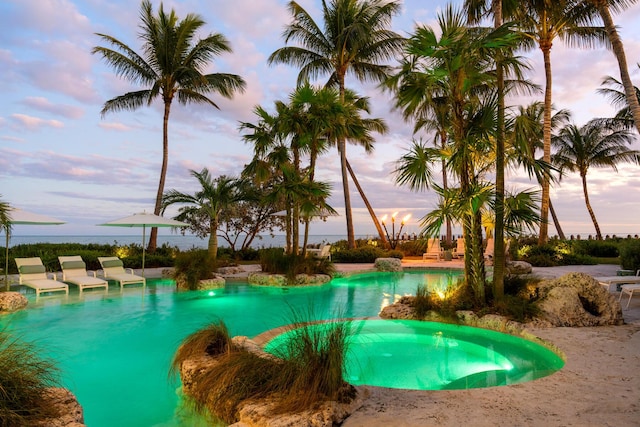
(24, 376)
(275, 261)
(596, 248)
(194, 265)
(365, 254)
(413, 247)
(630, 254)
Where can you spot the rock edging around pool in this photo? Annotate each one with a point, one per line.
(258, 413)
(280, 280)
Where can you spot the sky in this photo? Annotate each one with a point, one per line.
(59, 157)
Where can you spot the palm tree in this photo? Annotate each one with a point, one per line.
(592, 146)
(5, 224)
(604, 8)
(525, 137)
(171, 66)
(214, 195)
(542, 21)
(615, 91)
(355, 39)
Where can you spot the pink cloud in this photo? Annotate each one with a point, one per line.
(32, 123)
(43, 104)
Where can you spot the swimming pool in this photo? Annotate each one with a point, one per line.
(114, 350)
(411, 354)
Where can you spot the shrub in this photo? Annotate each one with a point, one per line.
(444, 302)
(308, 371)
(630, 254)
(275, 261)
(24, 377)
(413, 247)
(596, 248)
(366, 254)
(194, 265)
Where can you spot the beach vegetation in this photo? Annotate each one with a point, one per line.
(206, 205)
(306, 371)
(630, 254)
(25, 376)
(193, 266)
(172, 66)
(276, 261)
(353, 38)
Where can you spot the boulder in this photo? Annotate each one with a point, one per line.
(577, 299)
(227, 271)
(215, 282)
(70, 411)
(388, 264)
(515, 268)
(401, 309)
(280, 280)
(12, 301)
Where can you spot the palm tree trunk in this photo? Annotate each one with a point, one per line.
(546, 128)
(213, 240)
(383, 237)
(153, 236)
(351, 240)
(591, 213)
(445, 185)
(618, 50)
(556, 222)
(499, 255)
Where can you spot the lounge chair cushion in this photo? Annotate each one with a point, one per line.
(74, 265)
(110, 263)
(31, 269)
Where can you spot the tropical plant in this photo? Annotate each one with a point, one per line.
(614, 90)
(592, 145)
(454, 65)
(215, 195)
(172, 66)
(25, 376)
(355, 38)
(5, 224)
(541, 22)
(604, 8)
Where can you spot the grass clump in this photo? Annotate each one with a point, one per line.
(305, 372)
(275, 261)
(24, 377)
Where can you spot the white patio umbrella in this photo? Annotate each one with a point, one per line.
(22, 217)
(144, 220)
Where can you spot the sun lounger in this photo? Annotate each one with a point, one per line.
(459, 250)
(629, 289)
(74, 271)
(113, 269)
(323, 252)
(612, 282)
(433, 250)
(33, 274)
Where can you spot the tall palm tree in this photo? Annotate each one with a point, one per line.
(592, 145)
(5, 225)
(214, 195)
(542, 21)
(354, 39)
(604, 8)
(171, 66)
(525, 137)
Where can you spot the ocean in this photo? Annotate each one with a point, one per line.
(176, 240)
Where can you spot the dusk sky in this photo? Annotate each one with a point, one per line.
(59, 157)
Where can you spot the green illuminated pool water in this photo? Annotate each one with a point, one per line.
(417, 355)
(114, 350)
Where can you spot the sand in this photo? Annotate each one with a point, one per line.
(599, 385)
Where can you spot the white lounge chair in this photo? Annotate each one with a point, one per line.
(612, 282)
(629, 289)
(433, 250)
(33, 274)
(113, 269)
(74, 271)
(458, 252)
(323, 252)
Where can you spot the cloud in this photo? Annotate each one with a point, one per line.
(43, 104)
(117, 126)
(33, 123)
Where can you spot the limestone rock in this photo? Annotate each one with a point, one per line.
(225, 271)
(214, 283)
(280, 280)
(70, 411)
(518, 267)
(191, 368)
(388, 264)
(577, 299)
(12, 301)
(168, 273)
(327, 414)
(401, 309)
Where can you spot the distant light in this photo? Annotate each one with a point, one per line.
(211, 293)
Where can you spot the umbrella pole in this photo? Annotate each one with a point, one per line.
(144, 229)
